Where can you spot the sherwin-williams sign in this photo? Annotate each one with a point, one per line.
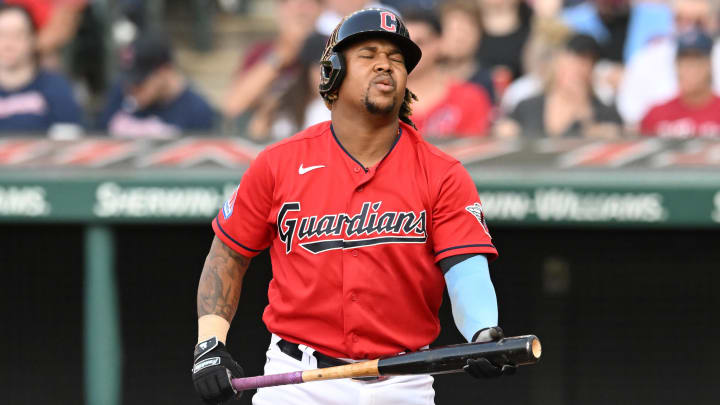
(642, 182)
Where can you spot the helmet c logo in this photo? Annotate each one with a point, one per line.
(392, 26)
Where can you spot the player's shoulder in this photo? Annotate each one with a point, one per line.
(427, 152)
(310, 134)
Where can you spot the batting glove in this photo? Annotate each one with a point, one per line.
(484, 368)
(213, 369)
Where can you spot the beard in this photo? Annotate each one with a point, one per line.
(374, 108)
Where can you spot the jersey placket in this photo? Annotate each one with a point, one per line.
(352, 260)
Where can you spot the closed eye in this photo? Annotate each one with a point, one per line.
(396, 56)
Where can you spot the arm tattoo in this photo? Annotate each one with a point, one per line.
(221, 281)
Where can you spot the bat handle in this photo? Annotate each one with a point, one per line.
(261, 381)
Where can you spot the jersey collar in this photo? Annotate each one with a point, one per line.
(397, 139)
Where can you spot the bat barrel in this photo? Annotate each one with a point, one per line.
(519, 350)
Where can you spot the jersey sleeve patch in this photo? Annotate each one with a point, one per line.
(477, 211)
(457, 212)
(227, 208)
(243, 220)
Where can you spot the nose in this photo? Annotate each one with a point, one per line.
(383, 64)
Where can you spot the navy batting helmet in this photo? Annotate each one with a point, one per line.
(363, 24)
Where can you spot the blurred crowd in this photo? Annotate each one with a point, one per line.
(503, 68)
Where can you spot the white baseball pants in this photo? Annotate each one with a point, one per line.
(400, 390)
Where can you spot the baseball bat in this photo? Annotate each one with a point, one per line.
(519, 350)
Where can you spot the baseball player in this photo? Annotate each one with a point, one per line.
(366, 224)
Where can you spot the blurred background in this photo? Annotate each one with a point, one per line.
(591, 128)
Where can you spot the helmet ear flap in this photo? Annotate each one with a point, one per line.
(332, 72)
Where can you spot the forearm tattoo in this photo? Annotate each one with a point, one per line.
(221, 281)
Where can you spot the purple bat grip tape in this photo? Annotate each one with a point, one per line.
(250, 383)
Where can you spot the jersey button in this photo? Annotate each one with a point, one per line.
(353, 297)
(354, 253)
(356, 170)
(355, 338)
(361, 188)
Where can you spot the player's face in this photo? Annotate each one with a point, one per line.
(376, 76)
(16, 39)
(694, 72)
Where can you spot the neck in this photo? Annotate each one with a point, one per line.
(697, 98)
(17, 77)
(367, 137)
(579, 95)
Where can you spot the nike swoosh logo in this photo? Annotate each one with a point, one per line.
(303, 170)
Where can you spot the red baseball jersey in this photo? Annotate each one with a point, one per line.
(465, 110)
(675, 119)
(354, 249)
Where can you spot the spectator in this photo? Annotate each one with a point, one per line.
(608, 22)
(301, 106)
(57, 22)
(506, 27)
(446, 107)
(649, 20)
(270, 67)
(462, 33)
(696, 110)
(605, 20)
(650, 76)
(154, 99)
(548, 36)
(568, 106)
(31, 99)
